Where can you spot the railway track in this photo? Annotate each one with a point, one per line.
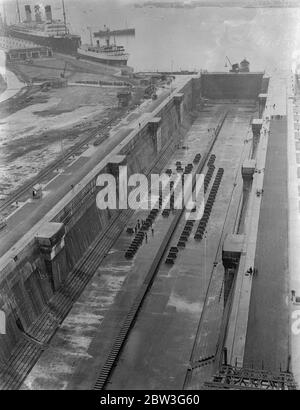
(118, 344)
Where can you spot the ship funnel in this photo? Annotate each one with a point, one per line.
(48, 13)
(245, 66)
(37, 12)
(28, 13)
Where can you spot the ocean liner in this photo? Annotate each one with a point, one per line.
(44, 31)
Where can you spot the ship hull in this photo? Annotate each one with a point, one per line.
(64, 45)
(103, 60)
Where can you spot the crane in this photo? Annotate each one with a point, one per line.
(226, 58)
(235, 68)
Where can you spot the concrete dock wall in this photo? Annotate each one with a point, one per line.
(30, 280)
(24, 293)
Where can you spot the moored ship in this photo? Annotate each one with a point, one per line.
(110, 54)
(46, 32)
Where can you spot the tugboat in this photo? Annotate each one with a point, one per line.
(110, 54)
(46, 32)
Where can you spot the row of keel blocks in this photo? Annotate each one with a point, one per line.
(179, 167)
(208, 177)
(211, 160)
(181, 243)
(188, 169)
(190, 223)
(166, 213)
(140, 235)
(197, 159)
(209, 205)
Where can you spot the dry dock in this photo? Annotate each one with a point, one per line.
(91, 306)
(157, 353)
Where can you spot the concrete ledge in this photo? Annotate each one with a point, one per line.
(154, 123)
(50, 233)
(115, 162)
(248, 168)
(262, 96)
(257, 124)
(178, 98)
(234, 244)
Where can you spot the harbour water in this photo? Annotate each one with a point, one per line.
(189, 38)
(194, 38)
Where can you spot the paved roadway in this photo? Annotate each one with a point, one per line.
(267, 342)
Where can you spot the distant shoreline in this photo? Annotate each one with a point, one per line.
(219, 5)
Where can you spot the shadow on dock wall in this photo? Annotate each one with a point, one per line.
(26, 286)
